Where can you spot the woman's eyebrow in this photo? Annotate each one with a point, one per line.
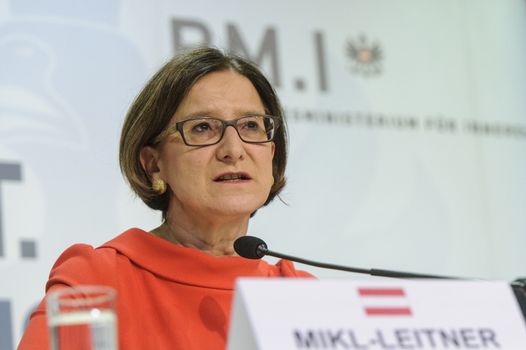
(207, 113)
(197, 115)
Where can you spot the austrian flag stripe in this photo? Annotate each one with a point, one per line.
(387, 311)
(381, 292)
(380, 301)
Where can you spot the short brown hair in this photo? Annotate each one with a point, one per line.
(156, 104)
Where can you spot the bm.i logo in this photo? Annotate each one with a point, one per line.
(188, 33)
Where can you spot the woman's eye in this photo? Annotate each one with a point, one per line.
(250, 125)
(201, 127)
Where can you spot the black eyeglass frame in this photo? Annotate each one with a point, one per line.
(225, 123)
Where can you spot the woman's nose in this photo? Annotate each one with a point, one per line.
(231, 148)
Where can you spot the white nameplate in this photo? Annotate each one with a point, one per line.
(281, 314)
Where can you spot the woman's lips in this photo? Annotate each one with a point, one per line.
(231, 177)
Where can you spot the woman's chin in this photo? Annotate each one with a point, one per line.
(233, 207)
(236, 207)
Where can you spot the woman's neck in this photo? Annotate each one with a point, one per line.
(211, 238)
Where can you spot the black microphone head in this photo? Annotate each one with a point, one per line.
(250, 247)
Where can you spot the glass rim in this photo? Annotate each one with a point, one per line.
(104, 294)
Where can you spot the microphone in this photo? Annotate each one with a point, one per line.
(251, 247)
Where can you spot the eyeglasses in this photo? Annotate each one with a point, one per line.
(207, 131)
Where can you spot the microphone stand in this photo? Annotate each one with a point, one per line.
(374, 272)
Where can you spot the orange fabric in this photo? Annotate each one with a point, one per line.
(168, 297)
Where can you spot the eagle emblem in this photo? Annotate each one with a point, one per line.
(366, 58)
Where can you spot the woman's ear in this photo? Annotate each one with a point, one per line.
(149, 158)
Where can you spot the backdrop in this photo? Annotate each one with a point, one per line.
(406, 118)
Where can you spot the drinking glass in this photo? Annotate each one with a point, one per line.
(82, 318)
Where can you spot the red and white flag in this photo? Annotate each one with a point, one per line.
(384, 301)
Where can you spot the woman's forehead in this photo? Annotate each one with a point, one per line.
(221, 94)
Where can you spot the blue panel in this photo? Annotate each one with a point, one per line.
(6, 331)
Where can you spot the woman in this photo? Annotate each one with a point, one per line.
(205, 143)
